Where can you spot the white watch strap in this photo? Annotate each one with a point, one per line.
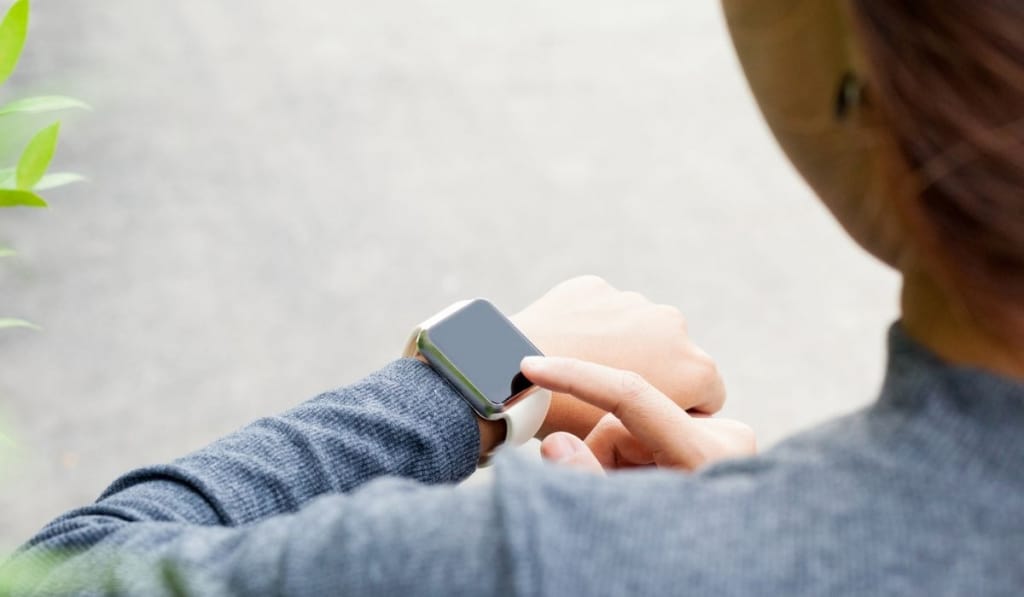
(524, 418)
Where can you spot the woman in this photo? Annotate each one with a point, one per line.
(906, 118)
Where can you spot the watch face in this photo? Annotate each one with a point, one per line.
(485, 349)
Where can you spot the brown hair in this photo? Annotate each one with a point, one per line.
(949, 79)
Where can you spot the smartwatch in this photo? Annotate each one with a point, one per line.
(477, 350)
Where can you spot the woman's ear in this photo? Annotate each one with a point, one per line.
(806, 71)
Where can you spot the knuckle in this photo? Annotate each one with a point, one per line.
(711, 370)
(711, 381)
(633, 297)
(708, 365)
(703, 381)
(632, 385)
(607, 423)
(705, 365)
(737, 427)
(672, 315)
(744, 440)
(591, 281)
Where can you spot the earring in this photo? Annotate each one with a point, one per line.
(849, 96)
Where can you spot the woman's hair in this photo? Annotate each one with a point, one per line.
(949, 80)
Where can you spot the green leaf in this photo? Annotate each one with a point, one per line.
(16, 198)
(37, 156)
(6, 252)
(13, 31)
(6, 323)
(47, 182)
(57, 179)
(46, 103)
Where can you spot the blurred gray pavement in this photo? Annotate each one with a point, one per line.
(280, 190)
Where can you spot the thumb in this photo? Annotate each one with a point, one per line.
(568, 450)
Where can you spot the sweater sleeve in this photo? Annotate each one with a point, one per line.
(391, 537)
(403, 421)
(530, 529)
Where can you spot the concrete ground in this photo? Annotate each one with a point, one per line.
(279, 190)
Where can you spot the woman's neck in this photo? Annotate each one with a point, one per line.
(947, 328)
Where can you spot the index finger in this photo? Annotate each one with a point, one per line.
(648, 414)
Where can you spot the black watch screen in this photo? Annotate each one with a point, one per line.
(485, 348)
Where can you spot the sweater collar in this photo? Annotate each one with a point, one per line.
(917, 379)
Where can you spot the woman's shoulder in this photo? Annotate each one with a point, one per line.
(825, 512)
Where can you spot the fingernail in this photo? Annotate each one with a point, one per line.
(561, 448)
(534, 363)
(572, 447)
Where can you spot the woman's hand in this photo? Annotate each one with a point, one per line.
(643, 426)
(586, 318)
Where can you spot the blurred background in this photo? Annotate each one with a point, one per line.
(280, 190)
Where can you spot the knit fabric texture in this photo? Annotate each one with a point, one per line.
(356, 492)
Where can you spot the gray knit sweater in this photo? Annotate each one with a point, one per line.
(353, 493)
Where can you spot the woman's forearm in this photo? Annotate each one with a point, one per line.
(403, 421)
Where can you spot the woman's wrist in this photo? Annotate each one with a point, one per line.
(492, 435)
